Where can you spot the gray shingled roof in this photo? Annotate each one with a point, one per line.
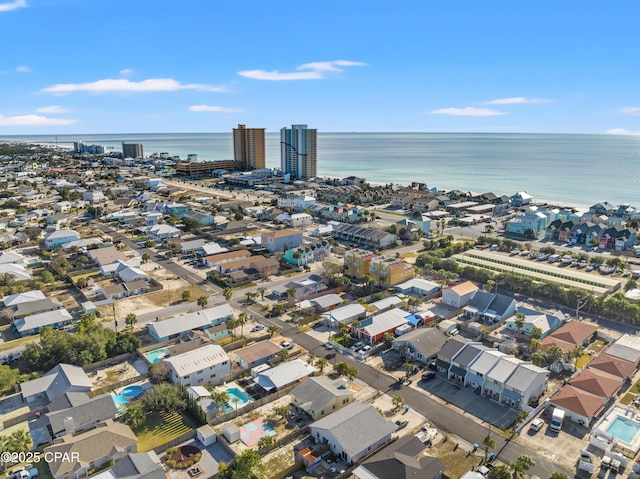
(356, 427)
(468, 354)
(99, 408)
(451, 348)
(143, 465)
(427, 341)
(316, 392)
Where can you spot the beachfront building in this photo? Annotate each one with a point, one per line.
(281, 240)
(298, 152)
(248, 148)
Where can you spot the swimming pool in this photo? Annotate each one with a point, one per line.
(119, 400)
(131, 392)
(624, 429)
(155, 356)
(237, 395)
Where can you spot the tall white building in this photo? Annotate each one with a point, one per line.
(298, 152)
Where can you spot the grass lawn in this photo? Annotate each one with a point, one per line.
(159, 429)
(597, 345)
(583, 360)
(627, 398)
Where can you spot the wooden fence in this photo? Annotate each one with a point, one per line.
(119, 384)
(187, 436)
(284, 440)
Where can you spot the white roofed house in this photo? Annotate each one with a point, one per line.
(284, 374)
(206, 365)
(497, 377)
(345, 315)
(19, 272)
(527, 382)
(32, 324)
(19, 298)
(179, 325)
(163, 232)
(60, 237)
(353, 432)
(129, 274)
(480, 367)
(11, 257)
(418, 286)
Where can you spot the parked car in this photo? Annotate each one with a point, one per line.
(537, 424)
(287, 345)
(257, 327)
(23, 472)
(364, 351)
(401, 424)
(356, 347)
(428, 375)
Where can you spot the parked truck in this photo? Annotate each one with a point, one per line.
(557, 418)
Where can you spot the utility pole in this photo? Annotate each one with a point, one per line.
(115, 321)
(580, 306)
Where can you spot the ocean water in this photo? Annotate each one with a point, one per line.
(574, 169)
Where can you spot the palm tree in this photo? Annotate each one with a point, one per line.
(291, 294)
(273, 329)
(262, 290)
(397, 401)
(186, 294)
(311, 358)
(220, 397)
(283, 411)
(242, 319)
(520, 318)
(408, 367)
(521, 466)
(231, 327)
(576, 352)
(146, 257)
(488, 443)
(203, 301)
(227, 293)
(131, 319)
(322, 363)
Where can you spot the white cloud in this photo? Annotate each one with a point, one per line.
(7, 7)
(126, 71)
(621, 131)
(631, 110)
(123, 85)
(468, 111)
(215, 109)
(53, 109)
(23, 69)
(307, 71)
(517, 100)
(33, 120)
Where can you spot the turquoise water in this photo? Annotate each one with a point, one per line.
(119, 400)
(131, 392)
(242, 396)
(33, 261)
(576, 169)
(623, 429)
(155, 356)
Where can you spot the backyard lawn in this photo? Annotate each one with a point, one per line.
(159, 429)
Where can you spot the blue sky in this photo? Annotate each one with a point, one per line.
(138, 66)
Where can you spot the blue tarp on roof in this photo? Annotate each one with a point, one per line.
(413, 319)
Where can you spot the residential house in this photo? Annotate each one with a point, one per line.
(182, 324)
(353, 432)
(63, 378)
(94, 196)
(342, 317)
(528, 382)
(320, 396)
(366, 237)
(11, 257)
(481, 366)
(322, 303)
(458, 296)
(604, 208)
(296, 202)
(106, 256)
(217, 261)
(461, 361)
(569, 335)
(129, 274)
(527, 224)
(373, 329)
(32, 324)
(612, 365)
(281, 376)
(208, 364)
(60, 237)
(597, 382)
(403, 459)
(447, 353)
(521, 198)
(490, 308)
(202, 397)
(311, 286)
(579, 233)
(296, 220)
(385, 304)
(146, 465)
(109, 441)
(13, 300)
(421, 345)
(19, 272)
(418, 286)
(255, 354)
(357, 262)
(281, 240)
(72, 413)
(62, 207)
(497, 377)
(34, 307)
(202, 218)
(306, 254)
(547, 323)
(580, 406)
(626, 347)
(387, 272)
(163, 232)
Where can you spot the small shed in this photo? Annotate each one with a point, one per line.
(400, 330)
(206, 435)
(447, 325)
(260, 368)
(231, 432)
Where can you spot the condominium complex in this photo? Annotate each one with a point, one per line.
(298, 152)
(383, 271)
(248, 148)
(132, 150)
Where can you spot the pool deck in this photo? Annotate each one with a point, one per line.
(630, 413)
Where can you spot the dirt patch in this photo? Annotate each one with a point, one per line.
(108, 375)
(456, 460)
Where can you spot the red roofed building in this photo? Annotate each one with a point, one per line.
(569, 335)
(581, 406)
(612, 365)
(597, 382)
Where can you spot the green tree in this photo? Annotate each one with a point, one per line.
(397, 401)
(501, 471)
(341, 368)
(273, 330)
(266, 441)
(520, 467)
(149, 244)
(47, 277)
(165, 398)
(283, 354)
(159, 373)
(81, 282)
(387, 339)
(535, 345)
(321, 363)
(489, 443)
(186, 295)
(220, 398)
(283, 411)
(134, 415)
(227, 293)
(520, 319)
(311, 358)
(241, 321)
(262, 290)
(277, 309)
(9, 377)
(130, 319)
(409, 368)
(146, 257)
(244, 466)
(554, 353)
(536, 332)
(203, 301)
(558, 475)
(18, 441)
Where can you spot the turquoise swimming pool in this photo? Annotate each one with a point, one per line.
(624, 429)
(240, 396)
(155, 356)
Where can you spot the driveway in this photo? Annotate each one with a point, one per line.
(470, 402)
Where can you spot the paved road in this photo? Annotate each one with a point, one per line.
(444, 418)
